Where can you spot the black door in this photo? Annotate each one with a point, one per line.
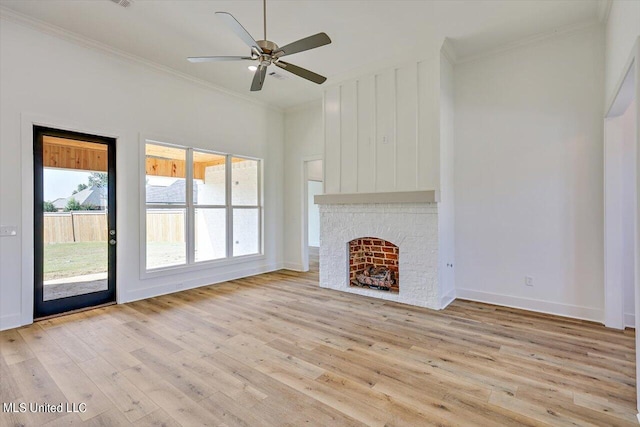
(74, 220)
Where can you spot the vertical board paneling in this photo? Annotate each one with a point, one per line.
(332, 140)
(385, 131)
(366, 135)
(428, 126)
(406, 116)
(349, 137)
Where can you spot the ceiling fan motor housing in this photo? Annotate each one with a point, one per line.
(268, 47)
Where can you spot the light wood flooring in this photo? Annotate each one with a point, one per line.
(277, 350)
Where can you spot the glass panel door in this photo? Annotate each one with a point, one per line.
(75, 234)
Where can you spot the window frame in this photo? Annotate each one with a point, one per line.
(190, 207)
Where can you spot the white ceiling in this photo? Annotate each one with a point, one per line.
(365, 33)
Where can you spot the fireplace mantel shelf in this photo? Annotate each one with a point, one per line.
(426, 196)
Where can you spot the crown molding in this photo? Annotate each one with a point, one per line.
(604, 8)
(79, 40)
(449, 51)
(537, 38)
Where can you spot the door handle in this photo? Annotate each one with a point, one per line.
(112, 242)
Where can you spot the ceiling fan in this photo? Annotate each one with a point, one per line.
(267, 52)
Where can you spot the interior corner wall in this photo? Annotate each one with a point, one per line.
(60, 81)
(303, 141)
(529, 176)
(446, 207)
(622, 32)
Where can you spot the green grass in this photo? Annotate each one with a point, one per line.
(63, 260)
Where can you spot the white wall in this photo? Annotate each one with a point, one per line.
(629, 169)
(446, 208)
(303, 141)
(620, 202)
(80, 88)
(623, 29)
(528, 176)
(382, 131)
(314, 188)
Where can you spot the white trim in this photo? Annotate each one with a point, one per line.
(447, 299)
(304, 206)
(190, 263)
(294, 267)
(154, 291)
(11, 321)
(629, 320)
(532, 40)
(614, 307)
(638, 417)
(548, 307)
(197, 266)
(83, 41)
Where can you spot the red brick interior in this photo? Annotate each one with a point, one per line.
(371, 251)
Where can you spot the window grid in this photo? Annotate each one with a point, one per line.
(190, 206)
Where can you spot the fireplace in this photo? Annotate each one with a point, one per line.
(373, 264)
(382, 239)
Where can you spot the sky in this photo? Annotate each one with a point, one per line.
(61, 182)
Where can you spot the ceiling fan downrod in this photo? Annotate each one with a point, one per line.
(264, 17)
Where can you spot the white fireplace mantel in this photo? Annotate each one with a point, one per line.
(426, 196)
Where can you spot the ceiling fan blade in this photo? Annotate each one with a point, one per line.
(238, 29)
(307, 43)
(258, 78)
(218, 58)
(299, 71)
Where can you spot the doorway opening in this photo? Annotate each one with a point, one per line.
(620, 206)
(314, 186)
(74, 221)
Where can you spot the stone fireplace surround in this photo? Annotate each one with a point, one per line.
(408, 220)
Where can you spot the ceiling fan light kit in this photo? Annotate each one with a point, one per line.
(267, 52)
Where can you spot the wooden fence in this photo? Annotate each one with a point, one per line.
(163, 225)
(78, 226)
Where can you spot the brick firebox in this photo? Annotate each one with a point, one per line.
(373, 252)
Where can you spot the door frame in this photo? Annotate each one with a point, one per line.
(43, 308)
(27, 121)
(613, 307)
(626, 89)
(304, 247)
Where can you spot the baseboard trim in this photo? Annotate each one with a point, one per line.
(630, 320)
(447, 299)
(547, 307)
(10, 321)
(638, 416)
(293, 266)
(314, 250)
(170, 288)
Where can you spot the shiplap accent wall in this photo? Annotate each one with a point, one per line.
(382, 131)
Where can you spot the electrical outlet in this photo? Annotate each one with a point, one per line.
(528, 281)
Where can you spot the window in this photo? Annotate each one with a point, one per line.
(200, 206)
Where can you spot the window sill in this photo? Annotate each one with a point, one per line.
(198, 266)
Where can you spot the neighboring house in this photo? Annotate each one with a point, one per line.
(92, 196)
